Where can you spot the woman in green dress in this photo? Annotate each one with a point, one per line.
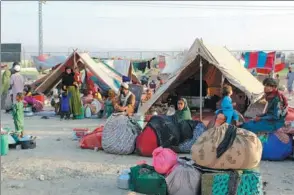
(71, 86)
(108, 104)
(183, 112)
(5, 84)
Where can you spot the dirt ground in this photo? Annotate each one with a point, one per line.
(59, 167)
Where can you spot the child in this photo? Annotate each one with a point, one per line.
(227, 106)
(77, 76)
(18, 115)
(64, 106)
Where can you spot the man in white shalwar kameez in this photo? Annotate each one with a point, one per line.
(16, 83)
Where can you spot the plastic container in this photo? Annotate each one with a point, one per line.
(123, 180)
(78, 133)
(4, 144)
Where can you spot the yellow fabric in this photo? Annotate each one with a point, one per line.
(245, 152)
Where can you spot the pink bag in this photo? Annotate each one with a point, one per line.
(164, 159)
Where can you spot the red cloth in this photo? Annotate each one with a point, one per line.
(253, 56)
(90, 83)
(146, 142)
(93, 139)
(278, 68)
(78, 77)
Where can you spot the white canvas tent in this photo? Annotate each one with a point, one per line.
(218, 58)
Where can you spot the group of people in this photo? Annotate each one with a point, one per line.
(272, 120)
(68, 101)
(12, 88)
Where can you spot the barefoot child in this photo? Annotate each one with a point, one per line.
(227, 106)
(18, 115)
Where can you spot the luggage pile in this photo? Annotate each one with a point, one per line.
(173, 175)
(224, 160)
(163, 131)
(278, 146)
(123, 135)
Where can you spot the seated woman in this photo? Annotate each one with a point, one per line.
(227, 106)
(274, 117)
(95, 105)
(183, 112)
(107, 105)
(36, 105)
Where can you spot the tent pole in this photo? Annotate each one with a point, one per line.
(274, 65)
(201, 89)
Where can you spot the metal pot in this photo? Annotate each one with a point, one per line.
(28, 109)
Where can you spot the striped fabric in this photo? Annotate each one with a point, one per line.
(264, 62)
(119, 134)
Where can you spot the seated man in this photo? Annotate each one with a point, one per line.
(126, 100)
(274, 117)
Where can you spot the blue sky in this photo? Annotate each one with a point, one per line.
(149, 25)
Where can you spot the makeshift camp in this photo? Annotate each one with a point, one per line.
(218, 64)
(105, 77)
(123, 67)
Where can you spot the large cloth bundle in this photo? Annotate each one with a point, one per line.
(226, 148)
(93, 139)
(276, 146)
(167, 132)
(163, 160)
(227, 183)
(119, 134)
(146, 142)
(183, 180)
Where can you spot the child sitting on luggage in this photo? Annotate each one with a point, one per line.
(64, 106)
(18, 115)
(227, 106)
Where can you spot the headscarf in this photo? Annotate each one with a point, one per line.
(68, 79)
(184, 114)
(111, 94)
